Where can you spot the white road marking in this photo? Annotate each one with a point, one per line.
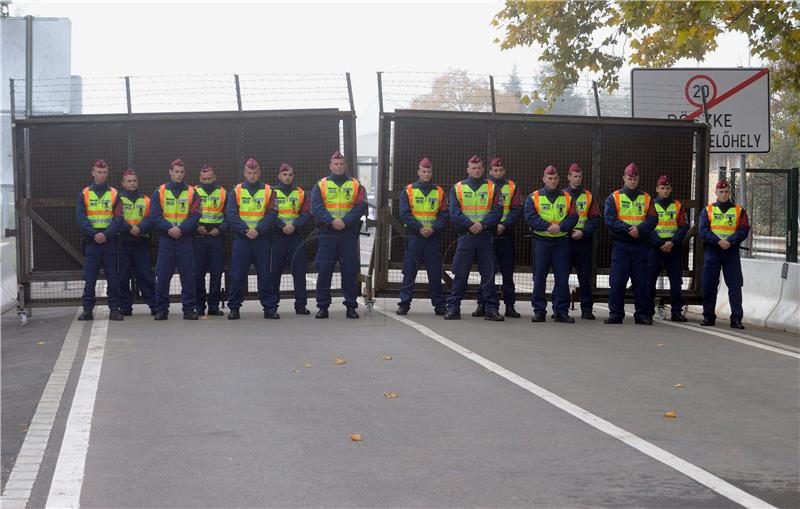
(692, 471)
(718, 333)
(26, 467)
(65, 489)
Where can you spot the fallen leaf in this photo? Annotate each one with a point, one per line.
(387, 357)
(307, 365)
(204, 317)
(356, 438)
(40, 343)
(679, 386)
(339, 361)
(671, 414)
(660, 345)
(390, 395)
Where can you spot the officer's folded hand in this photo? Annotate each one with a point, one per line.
(577, 234)
(135, 231)
(724, 244)
(500, 229)
(426, 232)
(214, 232)
(288, 229)
(202, 230)
(633, 232)
(174, 232)
(251, 234)
(476, 228)
(554, 228)
(666, 246)
(338, 224)
(100, 238)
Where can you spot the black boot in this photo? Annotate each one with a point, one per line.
(271, 314)
(511, 312)
(233, 314)
(161, 315)
(190, 315)
(479, 311)
(115, 315)
(539, 317)
(563, 318)
(678, 318)
(351, 313)
(215, 312)
(452, 314)
(126, 312)
(644, 321)
(708, 322)
(736, 324)
(493, 316)
(322, 313)
(403, 309)
(439, 310)
(86, 316)
(587, 315)
(612, 321)
(301, 310)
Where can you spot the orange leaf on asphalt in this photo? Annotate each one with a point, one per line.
(671, 414)
(387, 357)
(40, 343)
(390, 395)
(356, 438)
(339, 361)
(679, 386)
(307, 365)
(660, 345)
(204, 317)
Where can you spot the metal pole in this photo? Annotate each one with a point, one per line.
(742, 198)
(722, 172)
(705, 110)
(380, 93)
(128, 93)
(350, 93)
(596, 98)
(238, 93)
(792, 224)
(491, 88)
(28, 66)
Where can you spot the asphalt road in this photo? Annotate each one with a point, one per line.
(216, 414)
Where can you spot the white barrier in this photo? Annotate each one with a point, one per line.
(768, 299)
(8, 265)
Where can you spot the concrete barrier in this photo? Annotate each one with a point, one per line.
(8, 266)
(768, 299)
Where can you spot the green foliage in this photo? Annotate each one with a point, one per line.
(592, 36)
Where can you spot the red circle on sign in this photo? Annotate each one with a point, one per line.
(698, 90)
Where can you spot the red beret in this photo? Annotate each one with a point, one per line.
(475, 160)
(663, 180)
(176, 162)
(206, 167)
(252, 164)
(631, 170)
(575, 168)
(723, 184)
(127, 172)
(285, 167)
(336, 155)
(426, 163)
(99, 164)
(497, 163)
(551, 170)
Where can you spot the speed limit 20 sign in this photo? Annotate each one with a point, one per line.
(736, 103)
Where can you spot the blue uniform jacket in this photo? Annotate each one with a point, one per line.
(234, 220)
(83, 221)
(352, 219)
(145, 227)
(680, 233)
(619, 229)
(515, 212)
(188, 225)
(412, 225)
(593, 218)
(710, 240)
(223, 226)
(305, 210)
(462, 222)
(535, 221)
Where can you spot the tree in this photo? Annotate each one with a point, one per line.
(592, 36)
(455, 91)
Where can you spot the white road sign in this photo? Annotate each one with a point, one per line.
(737, 103)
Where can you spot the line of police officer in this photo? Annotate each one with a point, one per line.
(267, 224)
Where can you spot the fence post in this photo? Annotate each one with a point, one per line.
(792, 218)
(596, 99)
(380, 93)
(491, 88)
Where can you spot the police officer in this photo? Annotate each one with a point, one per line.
(666, 242)
(134, 247)
(175, 208)
(580, 238)
(338, 203)
(723, 227)
(503, 238)
(288, 243)
(209, 241)
(99, 217)
(423, 210)
(251, 215)
(476, 207)
(630, 217)
(550, 213)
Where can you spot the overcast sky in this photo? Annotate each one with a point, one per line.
(157, 38)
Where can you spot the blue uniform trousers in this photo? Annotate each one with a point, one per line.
(287, 250)
(628, 260)
(580, 257)
(504, 259)
(549, 254)
(245, 252)
(731, 265)
(341, 246)
(175, 253)
(209, 259)
(656, 259)
(134, 259)
(420, 250)
(468, 248)
(96, 256)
